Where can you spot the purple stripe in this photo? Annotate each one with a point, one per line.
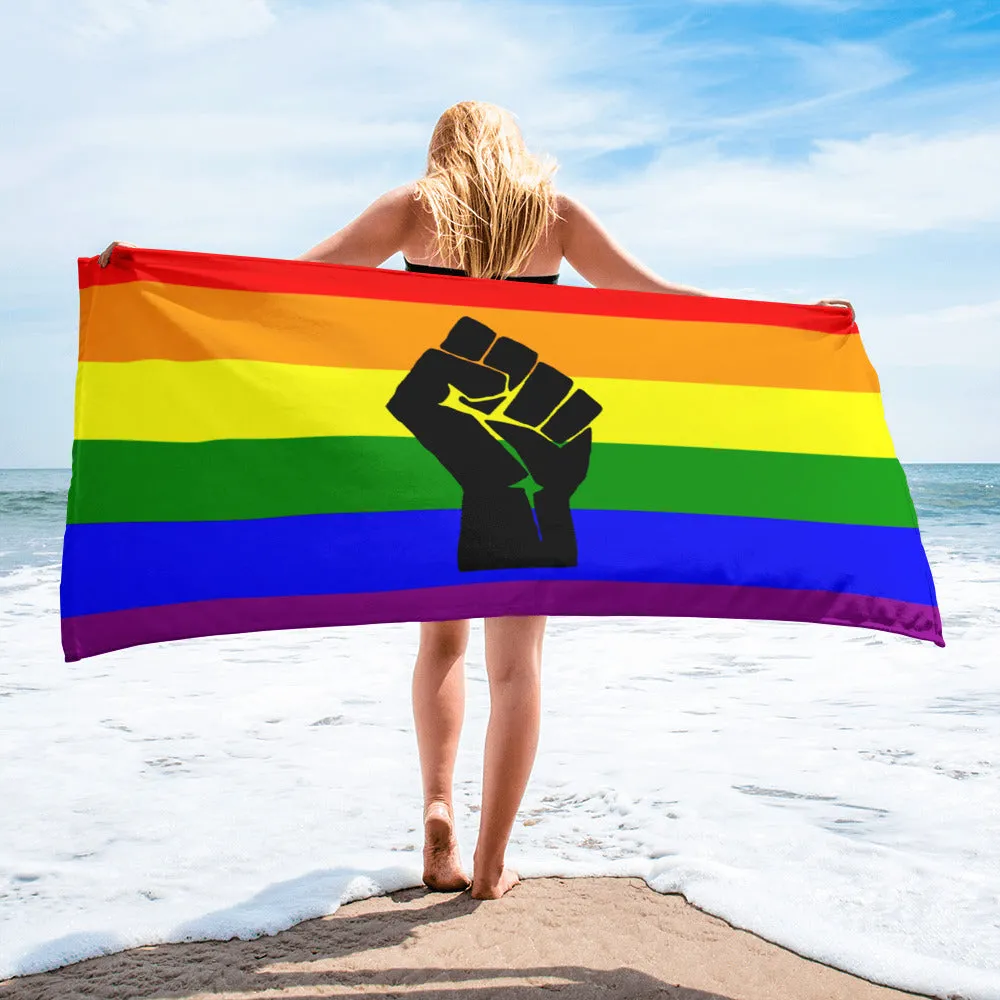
(88, 635)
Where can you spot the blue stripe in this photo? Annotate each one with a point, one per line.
(111, 567)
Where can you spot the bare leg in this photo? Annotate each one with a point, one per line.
(438, 710)
(513, 662)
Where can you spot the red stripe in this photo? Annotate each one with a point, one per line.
(264, 274)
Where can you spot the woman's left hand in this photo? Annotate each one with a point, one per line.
(837, 302)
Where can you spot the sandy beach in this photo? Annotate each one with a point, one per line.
(581, 937)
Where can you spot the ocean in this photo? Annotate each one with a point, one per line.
(834, 790)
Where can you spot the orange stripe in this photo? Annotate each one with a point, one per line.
(146, 320)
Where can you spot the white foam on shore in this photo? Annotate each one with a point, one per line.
(833, 790)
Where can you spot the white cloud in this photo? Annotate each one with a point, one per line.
(838, 68)
(260, 145)
(334, 103)
(171, 23)
(833, 6)
(956, 335)
(846, 197)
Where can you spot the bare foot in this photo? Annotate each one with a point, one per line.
(494, 888)
(442, 868)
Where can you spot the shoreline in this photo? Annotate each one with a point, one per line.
(581, 937)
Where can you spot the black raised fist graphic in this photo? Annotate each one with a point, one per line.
(511, 430)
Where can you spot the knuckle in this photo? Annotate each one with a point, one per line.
(468, 339)
(543, 390)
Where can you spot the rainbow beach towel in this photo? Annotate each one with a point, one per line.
(271, 444)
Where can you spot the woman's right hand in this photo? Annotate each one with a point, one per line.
(107, 251)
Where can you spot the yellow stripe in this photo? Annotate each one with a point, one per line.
(210, 400)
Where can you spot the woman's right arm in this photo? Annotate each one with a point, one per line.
(594, 255)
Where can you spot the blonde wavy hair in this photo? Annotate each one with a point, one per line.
(490, 198)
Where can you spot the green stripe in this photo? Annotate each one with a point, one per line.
(240, 479)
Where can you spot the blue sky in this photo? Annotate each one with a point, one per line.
(788, 151)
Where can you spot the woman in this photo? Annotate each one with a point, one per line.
(485, 208)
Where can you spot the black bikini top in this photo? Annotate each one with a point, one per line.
(541, 279)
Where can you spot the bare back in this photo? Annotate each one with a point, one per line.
(396, 222)
(419, 243)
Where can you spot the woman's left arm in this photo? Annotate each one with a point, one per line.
(373, 237)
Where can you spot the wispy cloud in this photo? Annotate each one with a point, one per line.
(303, 122)
(279, 121)
(833, 6)
(170, 24)
(956, 335)
(842, 200)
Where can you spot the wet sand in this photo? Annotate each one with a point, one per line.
(575, 937)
